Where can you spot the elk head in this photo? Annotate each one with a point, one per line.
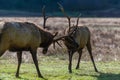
(47, 37)
(70, 31)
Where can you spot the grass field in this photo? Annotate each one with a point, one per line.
(105, 38)
(54, 68)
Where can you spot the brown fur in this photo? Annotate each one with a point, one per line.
(19, 35)
(81, 36)
(76, 42)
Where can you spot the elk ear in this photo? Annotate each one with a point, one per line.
(55, 34)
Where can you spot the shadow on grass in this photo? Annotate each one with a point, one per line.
(103, 76)
(108, 76)
(22, 78)
(29, 79)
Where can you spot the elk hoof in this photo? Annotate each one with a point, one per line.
(96, 70)
(40, 76)
(17, 76)
(70, 71)
(77, 67)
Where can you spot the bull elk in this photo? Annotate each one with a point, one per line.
(24, 36)
(77, 37)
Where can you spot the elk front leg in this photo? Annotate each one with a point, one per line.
(70, 61)
(1, 53)
(19, 56)
(80, 54)
(34, 56)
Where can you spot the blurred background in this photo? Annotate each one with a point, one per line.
(88, 8)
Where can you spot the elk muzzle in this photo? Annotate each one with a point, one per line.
(45, 50)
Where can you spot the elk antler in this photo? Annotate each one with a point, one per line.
(76, 25)
(59, 38)
(55, 40)
(57, 43)
(78, 19)
(44, 17)
(63, 11)
(62, 37)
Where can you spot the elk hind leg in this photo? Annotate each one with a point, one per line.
(91, 56)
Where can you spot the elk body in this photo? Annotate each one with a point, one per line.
(76, 38)
(76, 42)
(24, 36)
(18, 37)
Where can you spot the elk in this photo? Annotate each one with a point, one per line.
(24, 36)
(75, 39)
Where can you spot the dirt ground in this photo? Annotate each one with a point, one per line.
(105, 34)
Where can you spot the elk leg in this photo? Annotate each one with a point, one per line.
(19, 56)
(3, 47)
(1, 54)
(70, 61)
(91, 56)
(34, 56)
(80, 54)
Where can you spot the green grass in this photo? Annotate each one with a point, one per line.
(53, 68)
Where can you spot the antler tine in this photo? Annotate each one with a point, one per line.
(59, 44)
(63, 11)
(59, 38)
(76, 25)
(56, 41)
(78, 19)
(44, 17)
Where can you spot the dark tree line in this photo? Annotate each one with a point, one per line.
(69, 5)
